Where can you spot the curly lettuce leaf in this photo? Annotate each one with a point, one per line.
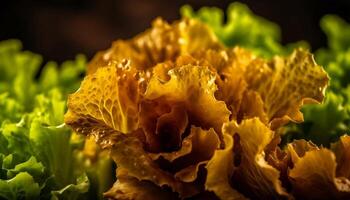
(195, 87)
(140, 165)
(106, 104)
(272, 89)
(220, 169)
(19, 69)
(22, 186)
(318, 173)
(51, 143)
(256, 87)
(341, 150)
(160, 43)
(281, 87)
(10, 109)
(73, 190)
(128, 187)
(254, 176)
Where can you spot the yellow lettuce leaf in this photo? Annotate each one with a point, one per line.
(127, 151)
(199, 145)
(160, 43)
(107, 101)
(314, 177)
(254, 177)
(204, 143)
(163, 125)
(285, 84)
(130, 188)
(229, 65)
(342, 152)
(279, 159)
(298, 148)
(252, 106)
(273, 90)
(220, 169)
(194, 86)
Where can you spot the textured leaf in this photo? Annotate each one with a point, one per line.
(285, 84)
(314, 177)
(129, 188)
(160, 43)
(254, 176)
(106, 100)
(164, 124)
(220, 169)
(198, 145)
(22, 186)
(204, 143)
(273, 90)
(72, 191)
(342, 153)
(127, 151)
(194, 86)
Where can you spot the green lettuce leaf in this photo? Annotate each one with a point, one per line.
(22, 186)
(19, 69)
(72, 191)
(40, 147)
(243, 28)
(324, 123)
(40, 158)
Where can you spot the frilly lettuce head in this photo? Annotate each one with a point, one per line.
(188, 117)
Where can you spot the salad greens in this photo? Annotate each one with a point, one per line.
(323, 123)
(39, 156)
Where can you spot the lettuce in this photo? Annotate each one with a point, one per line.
(164, 124)
(40, 157)
(22, 186)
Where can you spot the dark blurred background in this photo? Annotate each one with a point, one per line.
(60, 29)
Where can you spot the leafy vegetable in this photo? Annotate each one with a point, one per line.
(39, 150)
(39, 156)
(162, 42)
(168, 124)
(254, 175)
(320, 170)
(19, 69)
